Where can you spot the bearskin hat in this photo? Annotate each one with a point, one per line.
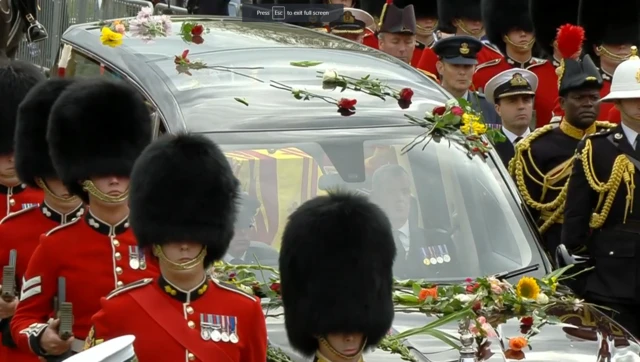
(609, 22)
(373, 7)
(501, 16)
(204, 212)
(16, 80)
(98, 127)
(422, 8)
(546, 22)
(448, 10)
(336, 262)
(32, 157)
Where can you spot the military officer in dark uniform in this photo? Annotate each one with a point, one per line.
(602, 211)
(348, 27)
(338, 245)
(184, 314)
(457, 60)
(512, 92)
(542, 162)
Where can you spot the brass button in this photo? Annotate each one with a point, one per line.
(117, 255)
(119, 270)
(191, 324)
(116, 242)
(192, 357)
(189, 310)
(120, 283)
(12, 202)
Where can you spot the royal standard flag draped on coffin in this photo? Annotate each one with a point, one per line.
(281, 180)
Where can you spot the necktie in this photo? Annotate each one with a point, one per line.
(399, 246)
(518, 139)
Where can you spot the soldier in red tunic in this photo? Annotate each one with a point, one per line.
(509, 27)
(339, 246)
(97, 129)
(16, 79)
(611, 29)
(184, 315)
(373, 8)
(20, 231)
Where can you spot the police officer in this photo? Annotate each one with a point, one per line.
(397, 31)
(97, 128)
(339, 245)
(16, 79)
(542, 162)
(184, 312)
(457, 60)
(116, 350)
(20, 231)
(602, 211)
(512, 93)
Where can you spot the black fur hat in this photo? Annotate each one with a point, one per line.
(98, 127)
(547, 16)
(448, 10)
(336, 262)
(422, 8)
(500, 16)
(16, 80)
(32, 157)
(373, 7)
(609, 22)
(204, 212)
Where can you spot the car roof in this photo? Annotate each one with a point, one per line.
(211, 105)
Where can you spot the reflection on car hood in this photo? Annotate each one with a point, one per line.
(585, 335)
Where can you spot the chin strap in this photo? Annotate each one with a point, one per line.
(328, 345)
(199, 259)
(91, 188)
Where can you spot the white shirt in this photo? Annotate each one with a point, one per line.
(228, 257)
(404, 236)
(630, 134)
(512, 136)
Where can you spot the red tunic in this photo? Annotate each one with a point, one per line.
(487, 54)
(427, 61)
(614, 115)
(21, 231)
(546, 94)
(605, 107)
(370, 39)
(168, 323)
(18, 198)
(94, 257)
(417, 53)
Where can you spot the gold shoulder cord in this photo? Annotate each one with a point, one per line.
(518, 169)
(623, 170)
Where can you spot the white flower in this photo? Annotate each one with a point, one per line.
(329, 76)
(428, 115)
(577, 304)
(452, 103)
(465, 298)
(295, 90)
(542, 299)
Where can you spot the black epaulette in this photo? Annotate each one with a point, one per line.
(233, 288)
(21, 212)
(420, 45)
(130, 286)
(600, 133)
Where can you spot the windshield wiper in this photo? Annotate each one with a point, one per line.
(517, 272)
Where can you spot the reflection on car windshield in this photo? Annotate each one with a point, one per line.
(451, 216)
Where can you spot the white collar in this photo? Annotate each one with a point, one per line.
(630, 134)
(404, 229)
(512, 136)
(465, 95)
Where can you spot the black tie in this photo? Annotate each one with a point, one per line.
(518, 139)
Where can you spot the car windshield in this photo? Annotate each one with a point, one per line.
(453, 216)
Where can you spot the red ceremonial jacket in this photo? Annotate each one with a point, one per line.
(370, 38)
(18, 198)
(21, 232)
(546, 94)
(94, 257)
(614, 115)
(175, 325)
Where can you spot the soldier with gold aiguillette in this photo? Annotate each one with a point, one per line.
(602, 210)
(184, 315)
(339, 246)
(542, 162)
(348, 27)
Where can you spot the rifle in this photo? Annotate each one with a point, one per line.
(9, 278)
(63, 310)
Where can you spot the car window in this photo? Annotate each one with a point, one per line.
(82, 65)
(459, 220)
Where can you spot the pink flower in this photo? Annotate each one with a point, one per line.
(457, 111)
(120, 28)
(486, 328)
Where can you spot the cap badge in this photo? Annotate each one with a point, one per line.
(348, 17)
(518, 81)
(464, 48)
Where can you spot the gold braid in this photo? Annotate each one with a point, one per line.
(622, 170)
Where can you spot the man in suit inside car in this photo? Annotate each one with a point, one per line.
(421, 252)
(512, 92)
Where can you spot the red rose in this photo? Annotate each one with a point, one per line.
(404, 104)
(275, 287)
(197, 30)
(526, 321)
(477, 305)
(439, 111)
(406, 94)
(345, 103)
(197, 39)
(457, 111)
(471, 288)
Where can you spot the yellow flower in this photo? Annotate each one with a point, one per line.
(110, 37)
(527, 288)
(471, 125)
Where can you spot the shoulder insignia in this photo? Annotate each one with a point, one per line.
(492, 47)
(14, 214)
(490, 63)
(60, 227)
(420, 45)
(233, 288)
(538, 61)
(602, 132)
(605, 124)
(428, 74)
(130, 286)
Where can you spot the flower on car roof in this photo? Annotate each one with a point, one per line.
(147, 26)
(110, 38)
(192, 32)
